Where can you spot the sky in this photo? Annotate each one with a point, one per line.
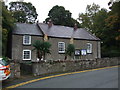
(74, 6)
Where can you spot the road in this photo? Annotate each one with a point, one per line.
(104, 78)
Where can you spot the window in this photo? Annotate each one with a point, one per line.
(89, 48)
(26, 54)
(61, 47)
(26, 39)
(77, 52)
(83, 52)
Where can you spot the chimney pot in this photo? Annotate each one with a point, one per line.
(75, 26)
(50, 23)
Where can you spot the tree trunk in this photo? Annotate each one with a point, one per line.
(65, 57)
(39, 55)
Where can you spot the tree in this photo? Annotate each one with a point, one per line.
(105, 25)
(69, 51)
(113, 20)
(8, 23)
(37, 46)
(99, 23)
(42, 48)
(87, 18)
(60, 16)
(113, 31)
(23, 12)
(7, 20)
(45, 49)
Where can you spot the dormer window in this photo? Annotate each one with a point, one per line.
(26, 39)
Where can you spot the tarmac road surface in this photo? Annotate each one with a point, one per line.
(104, 78)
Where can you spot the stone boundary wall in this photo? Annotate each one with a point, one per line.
(58, 66)
(15, 69)
(40, 68)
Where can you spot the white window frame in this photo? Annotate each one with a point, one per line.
(89, 48)
(29, 42)
(29, 55)
(61, 47)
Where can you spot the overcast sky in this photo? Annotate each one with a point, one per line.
(74, 6)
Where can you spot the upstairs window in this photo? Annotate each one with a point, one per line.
(26, 54)
(61, 47)
(89, 48)
(26, 39)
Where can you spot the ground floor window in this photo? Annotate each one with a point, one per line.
(26, 54)
(89, 48)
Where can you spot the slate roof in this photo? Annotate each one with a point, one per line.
(31, 29)
(54, 31)
(66, 32)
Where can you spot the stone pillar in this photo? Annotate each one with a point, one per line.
(99, 50)
(15, 70)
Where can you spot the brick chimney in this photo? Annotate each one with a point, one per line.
(50, 23)
(75, 27)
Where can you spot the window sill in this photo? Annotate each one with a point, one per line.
(27, 44)
(26, 59)
(61, 52)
